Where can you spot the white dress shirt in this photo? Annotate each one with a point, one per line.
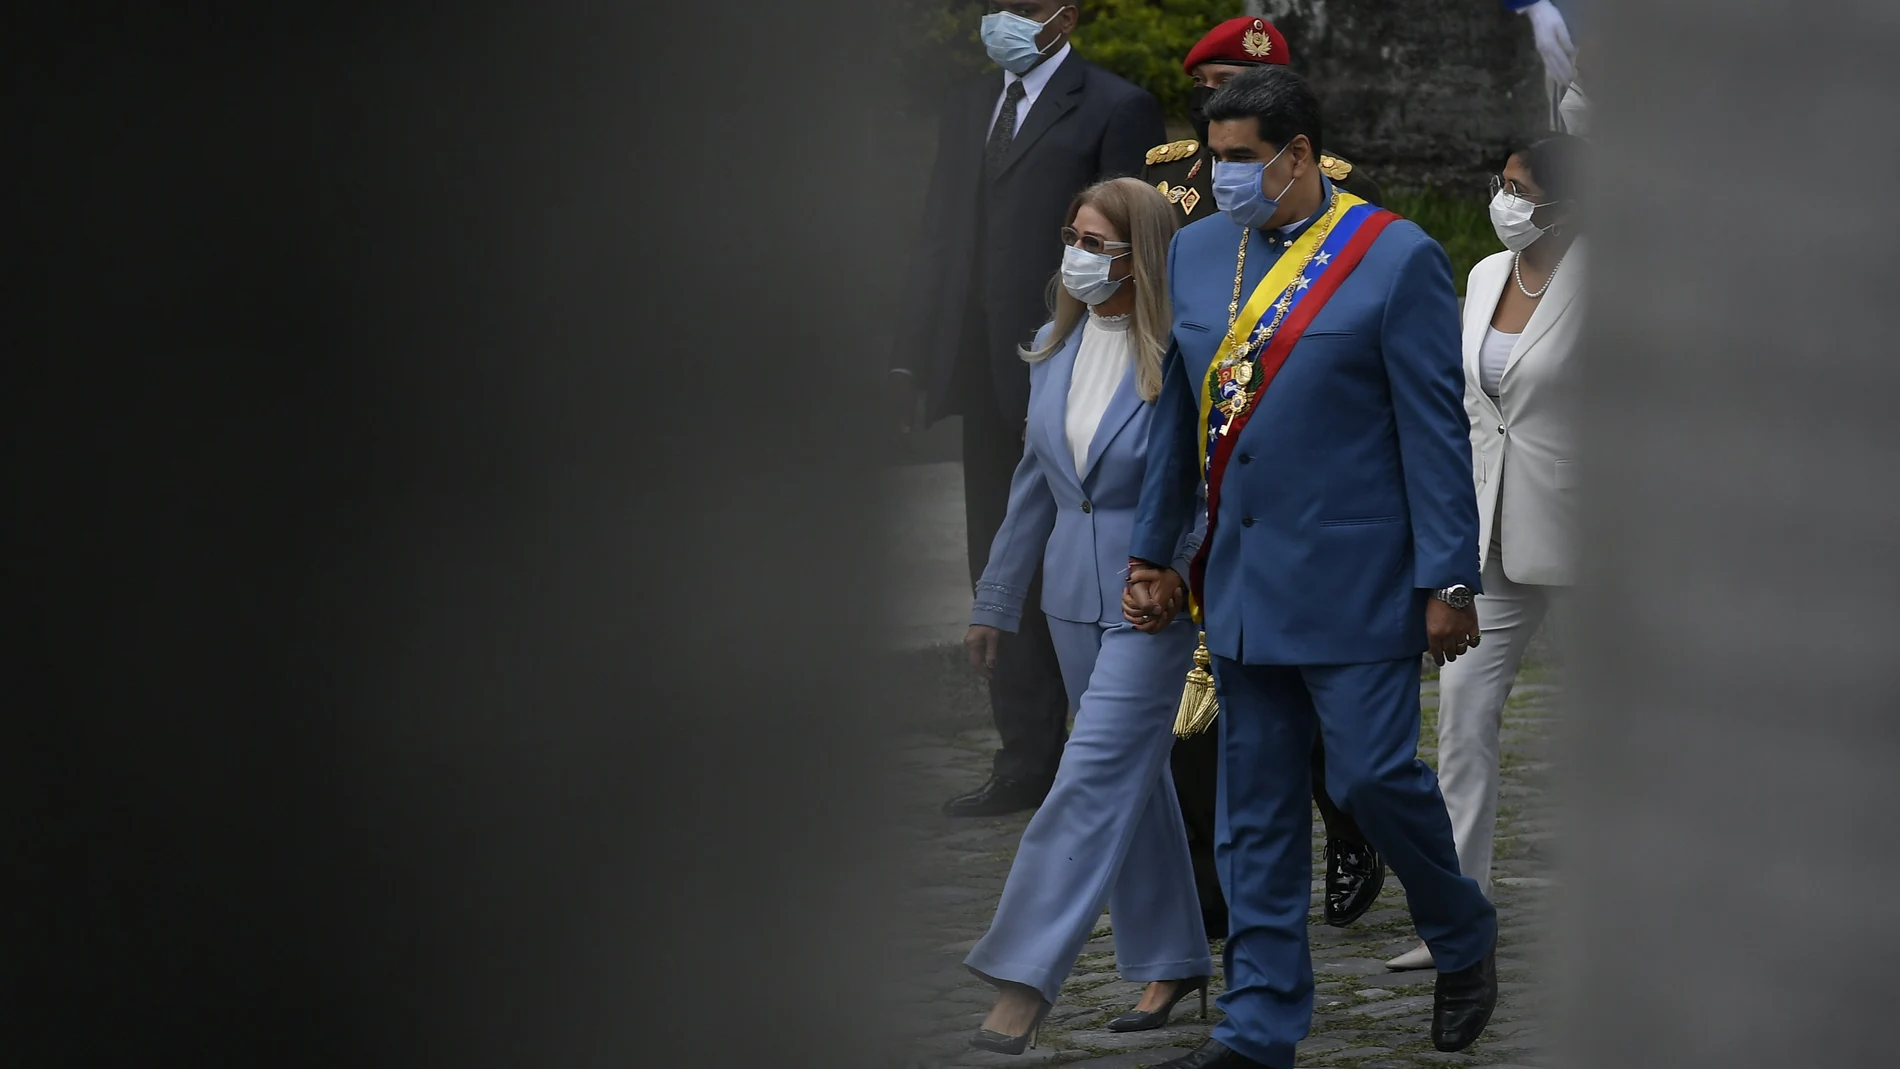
(1033, 82)
(1101, 362)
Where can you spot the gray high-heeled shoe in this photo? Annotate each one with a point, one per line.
(998, 1043)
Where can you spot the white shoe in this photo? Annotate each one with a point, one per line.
(1419, 957)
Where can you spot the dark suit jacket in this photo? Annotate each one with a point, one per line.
(1003, 234)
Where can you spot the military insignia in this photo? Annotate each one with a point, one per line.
(1172, 151)
(1189, 200)
(1334, 168)
(1163, 187)
(1194, 170)
(1256, 42)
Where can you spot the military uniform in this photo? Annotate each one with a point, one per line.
(1184, 173)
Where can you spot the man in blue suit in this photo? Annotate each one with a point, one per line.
(1342, 544)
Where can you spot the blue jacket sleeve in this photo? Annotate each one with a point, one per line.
(1424, 365)
(1168, 486)
(1022, 539)
(1196, 532)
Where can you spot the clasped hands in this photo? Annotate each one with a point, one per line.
(1152, 596)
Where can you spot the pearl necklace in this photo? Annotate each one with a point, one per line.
(1517, 271)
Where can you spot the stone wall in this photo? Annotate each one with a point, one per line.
(1423, 92)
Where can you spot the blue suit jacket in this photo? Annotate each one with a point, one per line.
(1349, 497)
(1078, 527)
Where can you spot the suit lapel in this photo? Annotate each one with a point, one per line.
(1121, 409)
(1564, 290)
(1481, 303)
(1057, 99)
(1055, 406)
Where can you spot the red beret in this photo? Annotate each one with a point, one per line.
(1241, 40)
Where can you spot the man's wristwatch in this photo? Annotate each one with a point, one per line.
(1457, 596)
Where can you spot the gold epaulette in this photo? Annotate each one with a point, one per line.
(1172, 151)
(1333, 167)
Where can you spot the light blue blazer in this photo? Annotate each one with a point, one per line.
(1078, 527)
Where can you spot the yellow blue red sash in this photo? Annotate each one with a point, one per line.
(1263, 335)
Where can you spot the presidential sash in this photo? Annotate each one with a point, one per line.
(1263, 335)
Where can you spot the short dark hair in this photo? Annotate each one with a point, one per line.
(1283, 104)
(1556, 163)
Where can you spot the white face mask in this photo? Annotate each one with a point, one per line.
(1085, 273)
(1511, 218)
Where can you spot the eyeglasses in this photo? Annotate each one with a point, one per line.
(1089, 242)
(1500, 185)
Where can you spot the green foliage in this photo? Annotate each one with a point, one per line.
(1460, 223)
(1145, 41)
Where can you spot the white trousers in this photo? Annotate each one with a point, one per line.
(1472, 692)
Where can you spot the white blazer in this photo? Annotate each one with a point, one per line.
(1523, 445)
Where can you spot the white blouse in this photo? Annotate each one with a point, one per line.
(1494, 352)
(1101, 361)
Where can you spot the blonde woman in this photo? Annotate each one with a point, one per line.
(1109, 833)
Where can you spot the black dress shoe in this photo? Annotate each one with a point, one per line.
(1462, 1004)
(1001, 796)
(1212, 1055)
(1354, 878)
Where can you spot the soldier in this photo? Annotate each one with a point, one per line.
(1182, 169)
(1183, 172)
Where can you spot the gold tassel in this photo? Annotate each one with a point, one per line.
(1198, 705)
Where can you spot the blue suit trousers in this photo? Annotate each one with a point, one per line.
(1110, 832)
(1368, 717)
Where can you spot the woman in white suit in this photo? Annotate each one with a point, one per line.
(1110, 831)
(1523, 311)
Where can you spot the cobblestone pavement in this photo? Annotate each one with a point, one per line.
(1365, 1016)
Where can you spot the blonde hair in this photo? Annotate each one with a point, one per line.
(1147, 222)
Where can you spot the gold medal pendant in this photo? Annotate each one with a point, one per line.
(1243, 374)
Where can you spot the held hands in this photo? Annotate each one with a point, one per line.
(1450, 632)
(1152, 597)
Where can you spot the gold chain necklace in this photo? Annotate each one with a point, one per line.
(1266, 330)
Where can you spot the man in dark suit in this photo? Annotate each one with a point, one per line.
(1013, 149)
(1184, 172)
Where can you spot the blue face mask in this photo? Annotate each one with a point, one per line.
(1011, 39)
(1238, 192)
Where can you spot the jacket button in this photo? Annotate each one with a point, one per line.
(1086, 507)
(1246, 521)
(1500, 428)
(1246, 458)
